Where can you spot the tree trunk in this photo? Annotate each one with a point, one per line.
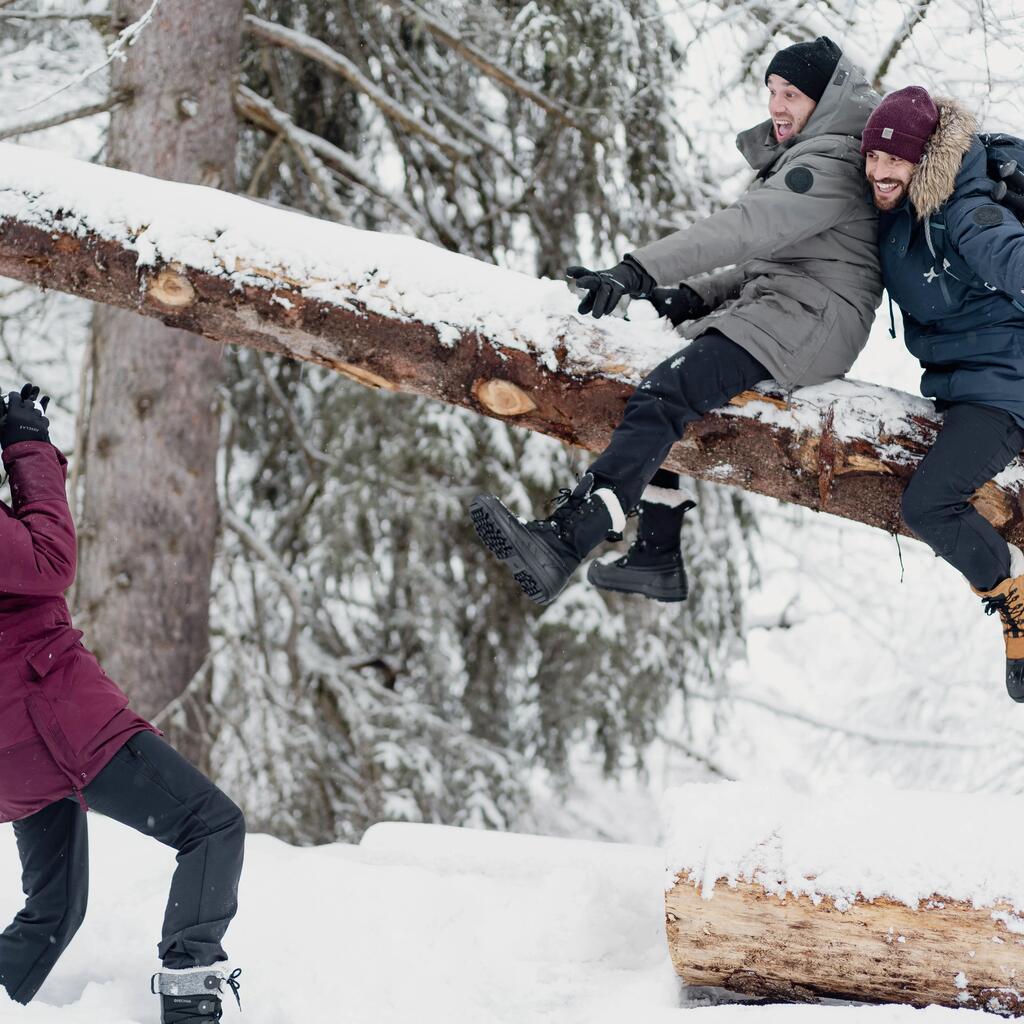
(750, 941)
(847, 448)
(148, 516)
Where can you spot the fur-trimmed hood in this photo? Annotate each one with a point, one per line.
(935, 177)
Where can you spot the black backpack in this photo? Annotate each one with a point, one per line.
(1006, 169)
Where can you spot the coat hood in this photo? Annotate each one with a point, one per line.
(843, 109)
(935, 177)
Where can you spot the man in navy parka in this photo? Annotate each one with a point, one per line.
(953, 260)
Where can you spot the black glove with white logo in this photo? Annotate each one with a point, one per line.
(678, 304)
(606, 287)
(20, 420)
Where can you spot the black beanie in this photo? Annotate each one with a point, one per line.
(808, 66)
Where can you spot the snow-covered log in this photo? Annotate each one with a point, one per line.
(869, 895)
(396, 313)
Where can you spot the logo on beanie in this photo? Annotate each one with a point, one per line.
(887, 133)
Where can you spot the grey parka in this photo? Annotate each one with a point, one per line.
(800, 244)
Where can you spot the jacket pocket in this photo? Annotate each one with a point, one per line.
(993, 349)
(51, 655)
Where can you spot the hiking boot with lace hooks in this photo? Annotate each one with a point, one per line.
(1006, 600)
(193, 995)
(653, 565)
(544, 553)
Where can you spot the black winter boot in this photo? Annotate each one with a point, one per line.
(544, 553)
(653, 566)
(194, 996)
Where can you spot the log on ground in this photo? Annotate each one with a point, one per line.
(792, 948)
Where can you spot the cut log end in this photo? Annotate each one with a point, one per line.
(172, 289)
(992, 502)
(503, 398)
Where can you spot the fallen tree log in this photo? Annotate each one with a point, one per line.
(395, 313)
(862, 893)
(792, 948)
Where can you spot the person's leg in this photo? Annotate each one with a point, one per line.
(702, 377)
(54, 850)
(543, 554)
(653, 566)
(149, 786)
(975, 443)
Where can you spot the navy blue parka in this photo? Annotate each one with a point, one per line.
(953, 261)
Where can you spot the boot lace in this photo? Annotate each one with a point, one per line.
(1010, 609)
(233, 984)
(567, 510)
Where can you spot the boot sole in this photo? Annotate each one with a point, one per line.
(527, 559)
(635, 584)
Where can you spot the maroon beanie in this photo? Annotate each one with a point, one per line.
(901, 124)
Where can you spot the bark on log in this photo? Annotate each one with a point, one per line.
(751, 941)
(827, 450)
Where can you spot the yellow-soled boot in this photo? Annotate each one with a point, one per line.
(1007, 599)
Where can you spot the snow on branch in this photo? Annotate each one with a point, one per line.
(314, 49)
(125, 38)
(489, 67)
(397, 313)
(314, 150)
(76, 114)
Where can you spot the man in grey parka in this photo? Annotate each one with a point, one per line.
(781, 284)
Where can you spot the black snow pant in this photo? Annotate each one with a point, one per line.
(151, 787)
(975, 443)
(702, 377)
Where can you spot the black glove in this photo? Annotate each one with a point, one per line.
(606, 287)
(678, 304)
(21, 420)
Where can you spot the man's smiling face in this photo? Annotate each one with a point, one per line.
(889, 177)
(788, 107)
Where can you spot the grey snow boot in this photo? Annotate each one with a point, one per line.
(544, 553)
(653, 566)
(193, 996)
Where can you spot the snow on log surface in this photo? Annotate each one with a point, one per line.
(860, 893)
(397, 313)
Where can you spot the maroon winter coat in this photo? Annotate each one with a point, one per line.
(61, 718)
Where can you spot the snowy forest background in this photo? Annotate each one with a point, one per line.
(365, 661)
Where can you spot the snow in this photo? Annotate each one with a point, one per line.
(418, 924)
(861, 840)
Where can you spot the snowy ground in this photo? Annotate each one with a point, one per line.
(417, 924)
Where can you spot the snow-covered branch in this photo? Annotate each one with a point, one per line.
(489, 67)
(314, 49)
(64, 117)
(315, 152)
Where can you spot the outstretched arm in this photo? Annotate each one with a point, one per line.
(37, 535)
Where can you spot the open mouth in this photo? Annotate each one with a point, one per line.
(783, 129)
(886, 188)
